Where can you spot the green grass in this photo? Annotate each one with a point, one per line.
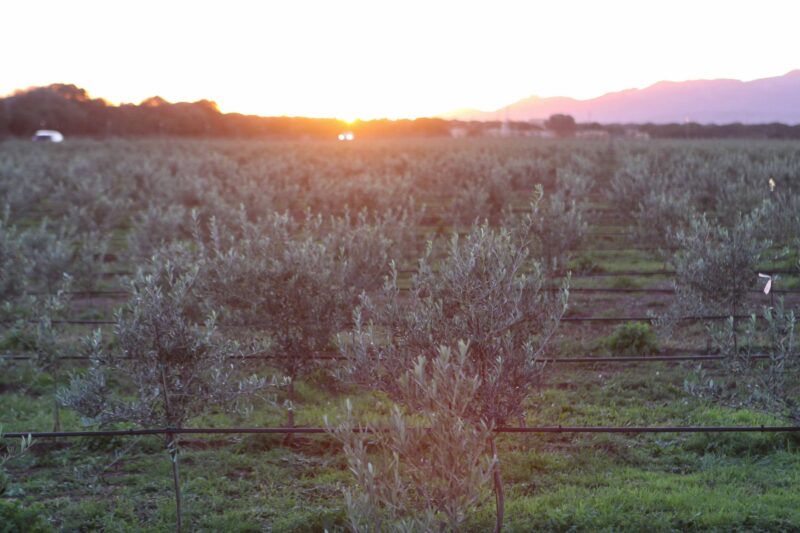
(555, 482)
(750, 495)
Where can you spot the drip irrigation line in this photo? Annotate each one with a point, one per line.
(588, 290)
(637, 290)
(654, 358)
(320, 430)
(650, 318)
(608, 319)
(578, 319)
(574, 274)
(642, 273)
(643, 359)
(76, 322)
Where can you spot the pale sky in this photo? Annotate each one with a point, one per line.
(368, 59)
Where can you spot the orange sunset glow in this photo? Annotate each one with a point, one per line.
(366, 59)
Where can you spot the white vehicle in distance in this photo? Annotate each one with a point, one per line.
(346, 136)
(48, 136)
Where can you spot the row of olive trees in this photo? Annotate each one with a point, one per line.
(282, 287)
(289, 289)
(663, 188)
(717, 267)
(106, 186)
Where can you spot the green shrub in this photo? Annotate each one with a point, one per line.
(14, 518)
(632, 338)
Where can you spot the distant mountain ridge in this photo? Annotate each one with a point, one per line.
(719, 101)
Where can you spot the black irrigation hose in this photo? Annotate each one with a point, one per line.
(643, 359)
(650, 318)
(319, 430)
(769, 272)
(614, 290)
(635, 273)
(70, 321)
(548, 360)
(564, 319)
(600, 290)
(574, 275)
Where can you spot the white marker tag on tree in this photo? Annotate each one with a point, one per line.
(768, 286)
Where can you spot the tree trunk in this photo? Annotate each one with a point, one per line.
(499, 497)
(287, 440)
(735, 334)
(56, 415)
(56, 406)
(172, 446)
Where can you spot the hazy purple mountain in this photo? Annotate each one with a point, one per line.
(706, 101)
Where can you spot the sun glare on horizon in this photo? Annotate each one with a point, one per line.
(393, 61)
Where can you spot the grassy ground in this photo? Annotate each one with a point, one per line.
(664, 482)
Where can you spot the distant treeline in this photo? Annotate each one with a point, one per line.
(72, 111)
(693, 130)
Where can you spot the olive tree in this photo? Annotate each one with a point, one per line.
(292, 286)
(423, 475)
(486, 292)
(177, 366)
(58, 249)
(47, 346)
(660, 216)
(768, 384)
(716, 266)
(553, 226)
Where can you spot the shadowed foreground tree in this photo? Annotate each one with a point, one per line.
(486, 292)
(425, 475)
(177, 366)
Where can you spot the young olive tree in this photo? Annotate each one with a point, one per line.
(170, 353)
(293, 286)
(782, 214)
(769, 384)
(48, 347)
(717, 266)
(156, 227)
(552, 227)
(55, 250)
(488, 293)
(425, 476)
(659, 217)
